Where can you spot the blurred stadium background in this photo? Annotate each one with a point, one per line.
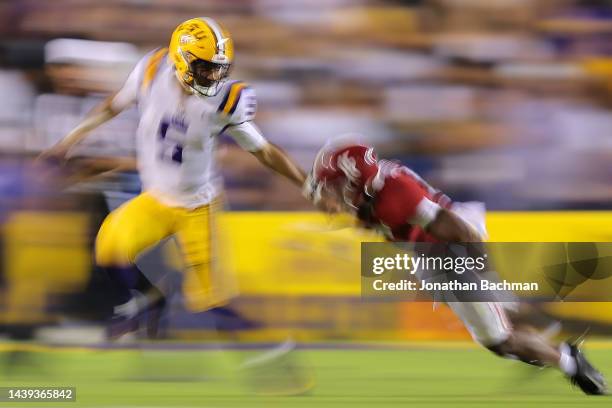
(507, 102)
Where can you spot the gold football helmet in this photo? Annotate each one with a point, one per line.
(202, 53)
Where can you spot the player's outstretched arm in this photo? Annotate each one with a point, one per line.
(248, 136)
(240, 126)
(448, 227)
(276, 159)
(105, 111)
(99, 115)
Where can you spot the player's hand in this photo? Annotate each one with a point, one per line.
(314, 194)
(57, 154)
(50, 166)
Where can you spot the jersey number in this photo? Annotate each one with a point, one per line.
(170, 136)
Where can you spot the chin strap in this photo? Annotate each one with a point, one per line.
(194, 91)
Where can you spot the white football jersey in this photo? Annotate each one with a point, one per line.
(177, 132)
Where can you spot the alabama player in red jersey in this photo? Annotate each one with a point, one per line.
(401, 205)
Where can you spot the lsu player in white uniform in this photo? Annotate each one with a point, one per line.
(185, 101)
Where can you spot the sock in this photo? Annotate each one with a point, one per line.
(123, 281)
(567, 363)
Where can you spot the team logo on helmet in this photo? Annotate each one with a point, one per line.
(186, 39)
(369, 156)
(349, 166)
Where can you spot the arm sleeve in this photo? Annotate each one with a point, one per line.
(405, 202)
(248, 136)
(426, 211)
(128, 94)
(246, 106)
(239, 104)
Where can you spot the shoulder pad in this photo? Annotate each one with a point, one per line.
(152, 64)
(239, 103)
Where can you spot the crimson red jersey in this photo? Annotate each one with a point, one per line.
(397, 193)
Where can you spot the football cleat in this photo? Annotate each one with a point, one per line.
(590, 381)
(202, 53)
(129, 319)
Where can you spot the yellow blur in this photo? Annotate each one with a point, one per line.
(44, 253)
(302, 253)
(293, 254)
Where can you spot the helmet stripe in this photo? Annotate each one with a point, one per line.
(217, 32)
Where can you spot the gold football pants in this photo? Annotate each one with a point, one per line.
(143, 222)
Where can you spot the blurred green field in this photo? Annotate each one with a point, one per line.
(391, 377)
